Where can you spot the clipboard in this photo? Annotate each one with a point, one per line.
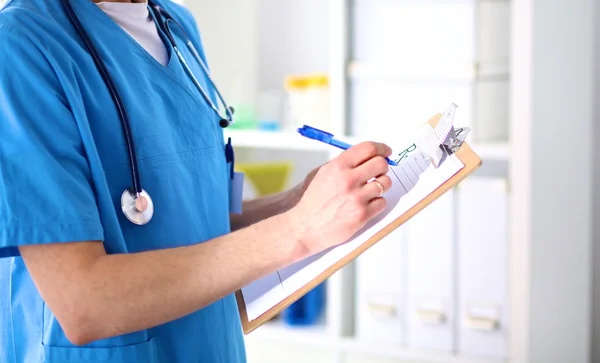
(453, 144)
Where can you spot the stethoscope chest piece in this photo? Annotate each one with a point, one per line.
(139, 209)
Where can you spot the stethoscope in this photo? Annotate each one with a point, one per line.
(136, 203)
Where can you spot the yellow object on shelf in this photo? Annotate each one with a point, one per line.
(294, 82)
(267, 178)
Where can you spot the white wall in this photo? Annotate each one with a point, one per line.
(561, 234)
(293, 38)
(596, 214)
(229, 33)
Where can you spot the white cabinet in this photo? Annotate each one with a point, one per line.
(410, 57)
(414, 34)
(482, 267)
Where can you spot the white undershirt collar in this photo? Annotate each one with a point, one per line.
(135, 19)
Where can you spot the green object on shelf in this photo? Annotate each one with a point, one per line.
(267, 178)
(244, 117)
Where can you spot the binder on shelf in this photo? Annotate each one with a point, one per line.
(424, 173)
(380, 312)
(430, 276)
(482, 267)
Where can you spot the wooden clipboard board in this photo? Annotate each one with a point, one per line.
(471, 163)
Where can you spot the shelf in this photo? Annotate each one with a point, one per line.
(392, 72)
(285, 140)
(314, 335)
(351, 345)
(317, 336)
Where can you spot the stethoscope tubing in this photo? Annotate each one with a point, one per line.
(114, 93)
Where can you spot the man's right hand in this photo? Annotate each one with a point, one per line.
(341, 198)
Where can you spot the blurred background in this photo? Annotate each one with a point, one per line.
(501, 269)
(504, 268)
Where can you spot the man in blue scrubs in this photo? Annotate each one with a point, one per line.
(78, 281)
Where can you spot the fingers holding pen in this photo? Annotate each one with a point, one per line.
(343, 196)
(373, 168)
(363, 152)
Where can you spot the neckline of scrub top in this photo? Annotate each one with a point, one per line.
(101, 16)
(132, 9)
(170, 70)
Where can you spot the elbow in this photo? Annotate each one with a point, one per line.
(83, 323)
(78, 335)
(81, 328)
(78, 330)
(78, 338)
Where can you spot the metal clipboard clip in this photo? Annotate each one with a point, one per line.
(445, 139)
(453, 142)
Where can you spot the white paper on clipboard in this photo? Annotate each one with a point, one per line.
(412, 180)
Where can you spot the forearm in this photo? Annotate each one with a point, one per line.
(265, 207)
(94, 295)
(123, 293)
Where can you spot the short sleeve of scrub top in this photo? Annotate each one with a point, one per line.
(46, 193)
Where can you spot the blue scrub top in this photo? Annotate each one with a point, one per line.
(64, 165)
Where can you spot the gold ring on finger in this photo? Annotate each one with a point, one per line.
(381, 190)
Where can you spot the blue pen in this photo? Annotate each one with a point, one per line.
(326, 137)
